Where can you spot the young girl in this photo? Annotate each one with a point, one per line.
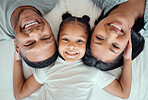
(69, 78)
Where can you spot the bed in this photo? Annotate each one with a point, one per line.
(139, 89)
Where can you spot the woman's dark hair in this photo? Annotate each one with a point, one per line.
(68, 18)
(137, 47)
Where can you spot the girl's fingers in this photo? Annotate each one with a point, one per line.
(17, 55)
(128, 50)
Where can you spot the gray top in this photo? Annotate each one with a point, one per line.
(8, 6)
(106, 5)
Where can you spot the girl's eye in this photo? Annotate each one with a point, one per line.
(80, 41)
(99, 38)
(115, 46)
(65, 39)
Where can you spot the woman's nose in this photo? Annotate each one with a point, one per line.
(112, 33)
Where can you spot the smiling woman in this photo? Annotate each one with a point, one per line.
(114, 34)
(111, 35)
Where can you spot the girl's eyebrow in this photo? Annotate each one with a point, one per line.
(82, 37)
(64, 34)
(77, 36)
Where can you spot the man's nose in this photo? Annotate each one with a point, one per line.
(35, 34)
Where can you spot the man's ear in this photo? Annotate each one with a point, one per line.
(16, 46)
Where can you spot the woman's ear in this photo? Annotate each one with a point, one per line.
(16, 46)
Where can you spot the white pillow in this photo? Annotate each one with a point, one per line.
(76, 8)
(6, 69)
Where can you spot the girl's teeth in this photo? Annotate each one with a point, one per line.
(116, 26)
(71, 53)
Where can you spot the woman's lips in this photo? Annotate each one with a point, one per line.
(118, 27)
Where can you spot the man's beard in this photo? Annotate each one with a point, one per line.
(41, 64)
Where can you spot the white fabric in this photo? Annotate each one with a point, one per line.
(6, 70)
(139, 90)
(76, 8)
(8, 6)
(71, 81)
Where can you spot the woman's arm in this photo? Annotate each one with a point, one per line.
(122, 87)
(21, 87)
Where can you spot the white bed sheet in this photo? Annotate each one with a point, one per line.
(139, 90)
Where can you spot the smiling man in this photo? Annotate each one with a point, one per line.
(33, 36)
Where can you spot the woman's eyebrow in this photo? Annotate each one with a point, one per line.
(113, 51)
(97, 43)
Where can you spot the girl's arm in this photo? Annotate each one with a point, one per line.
(122, 87)
(21, 87)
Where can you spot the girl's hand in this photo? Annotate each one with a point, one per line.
(128, 51)
(17, 56)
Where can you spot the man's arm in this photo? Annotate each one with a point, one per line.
(21, 87)
(122, 87)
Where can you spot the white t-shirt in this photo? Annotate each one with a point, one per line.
(73, 81)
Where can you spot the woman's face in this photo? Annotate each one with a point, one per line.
(110, 38)
(72, 42)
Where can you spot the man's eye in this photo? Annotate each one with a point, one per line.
(80, 41)
(46, 38)
(115, 46)
(99, 38)
(29, 43)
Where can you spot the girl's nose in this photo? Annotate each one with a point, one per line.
(71, 46)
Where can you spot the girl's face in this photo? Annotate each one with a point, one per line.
(72, 41)
(110, 38)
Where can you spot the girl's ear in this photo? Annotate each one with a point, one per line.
(16, 46)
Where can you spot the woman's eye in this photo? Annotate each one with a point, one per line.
(99, 38)
(115, 46)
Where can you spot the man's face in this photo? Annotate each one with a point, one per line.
(110, 38)
(34, 36)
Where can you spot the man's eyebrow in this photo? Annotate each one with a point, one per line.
(97, 43)
(113, 51)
